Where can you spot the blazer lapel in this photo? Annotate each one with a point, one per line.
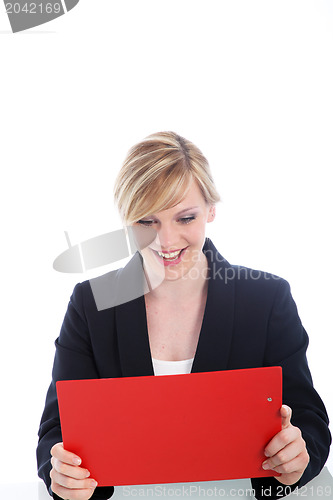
(131, 322)
(214, 343)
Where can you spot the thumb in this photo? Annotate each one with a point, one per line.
(286, 416)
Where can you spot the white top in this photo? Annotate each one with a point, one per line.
(162, 367)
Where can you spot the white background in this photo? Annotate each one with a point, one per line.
(249, 82)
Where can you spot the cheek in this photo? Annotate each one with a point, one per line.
(197, 233)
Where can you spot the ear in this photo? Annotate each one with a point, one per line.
(211, 214)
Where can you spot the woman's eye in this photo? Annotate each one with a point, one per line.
(182, 220)
(186, 220)
(145, 222)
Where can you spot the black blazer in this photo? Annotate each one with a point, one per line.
(250, 321)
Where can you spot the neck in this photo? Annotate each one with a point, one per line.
(185, 288)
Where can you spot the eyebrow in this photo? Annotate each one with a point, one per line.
(185, 210)
(182, 211)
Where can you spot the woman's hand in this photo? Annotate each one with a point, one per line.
(287, 451)
(68, 480)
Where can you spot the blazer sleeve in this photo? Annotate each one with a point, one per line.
(73, 360)
(286, 346)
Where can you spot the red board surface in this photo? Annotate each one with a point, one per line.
(172, 428)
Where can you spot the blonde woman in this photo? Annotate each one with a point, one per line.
(197, 313)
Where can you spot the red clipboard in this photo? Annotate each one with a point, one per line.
(172, 428)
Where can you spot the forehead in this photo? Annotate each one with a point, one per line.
(192, 199)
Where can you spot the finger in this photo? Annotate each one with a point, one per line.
(68, 457)
(281, 440)
(285, 412)
(70, 482)
(72, 495)
(69, 470)
(294, 465)
(283, 456)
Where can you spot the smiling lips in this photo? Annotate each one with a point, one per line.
(170, 257)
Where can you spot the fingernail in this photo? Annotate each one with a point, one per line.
(93, 484)
(76, 460)
(266, 454)
(265, 466)
(286, 408)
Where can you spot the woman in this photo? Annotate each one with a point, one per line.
(223, 317)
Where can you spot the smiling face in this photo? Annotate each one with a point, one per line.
(180, 236)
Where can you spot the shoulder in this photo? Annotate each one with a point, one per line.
(95, 294)
(256, 279)
(113, 288)
(240, 277)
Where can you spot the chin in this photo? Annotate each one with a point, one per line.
(177, 274)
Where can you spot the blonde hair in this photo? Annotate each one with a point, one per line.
(157, 174)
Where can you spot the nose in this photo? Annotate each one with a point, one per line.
(166, 236)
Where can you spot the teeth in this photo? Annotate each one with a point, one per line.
(171, 255)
